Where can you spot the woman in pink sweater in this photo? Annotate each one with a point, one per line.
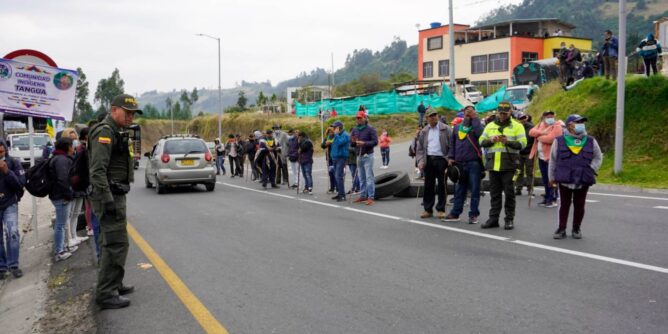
(384, 142)
(545, 132)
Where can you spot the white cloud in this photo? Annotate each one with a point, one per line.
(154, 46)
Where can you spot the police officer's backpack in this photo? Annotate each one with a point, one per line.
(38, 179)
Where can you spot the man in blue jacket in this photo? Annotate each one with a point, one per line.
(609, 51)
(12, 180)
(340, 157)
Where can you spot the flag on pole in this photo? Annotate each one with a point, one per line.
(49, 128)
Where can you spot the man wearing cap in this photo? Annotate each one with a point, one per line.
(282, 155)
(504, 139)
(266, 157)
(525, 168)
(574, 160)
(339, 155)
(465, 151)
(111, 172)
(432, 148)
(364, 139)
(544, 133)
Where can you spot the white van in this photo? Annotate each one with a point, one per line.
(472, 94)
(19, 146)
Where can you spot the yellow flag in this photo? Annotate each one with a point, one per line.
(49, 128)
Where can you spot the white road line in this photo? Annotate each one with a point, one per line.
(620, 195)
(593, 256)
(661, 207)
(592, 201)
(478, 234)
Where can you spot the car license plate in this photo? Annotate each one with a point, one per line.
(187, 162)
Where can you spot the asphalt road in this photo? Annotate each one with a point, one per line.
(281, 262)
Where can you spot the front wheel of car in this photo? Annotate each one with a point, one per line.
(210, 186)
(159, 187)
(148, 183)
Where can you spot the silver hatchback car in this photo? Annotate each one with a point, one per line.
(180, 160)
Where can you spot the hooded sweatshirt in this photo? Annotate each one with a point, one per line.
(649, 48)
(11, 184)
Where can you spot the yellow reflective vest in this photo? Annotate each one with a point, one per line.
(499, 156)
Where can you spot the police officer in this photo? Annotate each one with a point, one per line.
(111, 172)
(503, 139)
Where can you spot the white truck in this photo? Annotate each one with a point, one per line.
(19, 146)
(471, 93)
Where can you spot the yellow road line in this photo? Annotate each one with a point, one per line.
(194, 305)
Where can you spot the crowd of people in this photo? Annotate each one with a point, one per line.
(504, 147)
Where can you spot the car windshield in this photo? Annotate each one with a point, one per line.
(23, 142)
(185, 146)
(516, 95)
(470, 89)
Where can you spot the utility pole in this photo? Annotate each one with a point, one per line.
(451, 32)
(621, 87)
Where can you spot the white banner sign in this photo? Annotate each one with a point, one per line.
(37, 90)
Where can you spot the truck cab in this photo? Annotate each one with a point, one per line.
(519, 96)
(471, 93)
(19, 146)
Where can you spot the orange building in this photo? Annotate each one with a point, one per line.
(486, 55)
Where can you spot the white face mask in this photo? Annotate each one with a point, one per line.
(75, 143)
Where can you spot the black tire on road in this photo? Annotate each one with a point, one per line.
(210, 186)
(148, 183)
(159, 187)
(388, 184)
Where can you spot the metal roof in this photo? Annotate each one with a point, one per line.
(491, 25)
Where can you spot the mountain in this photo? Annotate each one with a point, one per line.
(395, 58)
(591, 17)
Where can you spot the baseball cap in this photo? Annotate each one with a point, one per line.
(127, 102)
(504, 106)
(269, 132)
(361, 114)
(575, 118)
(337, 124)
(548, 112)
(460, 114)
(521, 115)
(432, 112)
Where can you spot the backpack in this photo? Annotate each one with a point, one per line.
(38, 179)
(79, 174)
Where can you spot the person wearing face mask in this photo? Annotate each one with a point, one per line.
(504, 139)
(544, 133)
(12, 180)
(77, 200)
(574, 160)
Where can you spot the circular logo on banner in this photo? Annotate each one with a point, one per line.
(63, 81)
(5, 71)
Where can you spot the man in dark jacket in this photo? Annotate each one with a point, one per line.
(610, 53)
(306, 161)
(326, 145)
(465, 151)
(249, 148)
(12, 180)
(61, 194)
(525, 167)
(563, 64)
(432, 149)
(364, 138)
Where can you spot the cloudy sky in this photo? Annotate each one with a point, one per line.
(154, 43)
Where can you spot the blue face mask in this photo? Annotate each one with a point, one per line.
(579, 128)
(549, 121)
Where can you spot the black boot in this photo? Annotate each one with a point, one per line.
(490, 223)
(509, 225)
(126, 290)
(114, 302)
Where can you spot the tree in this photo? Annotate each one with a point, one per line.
(83, 111)
(641, 5)
(241, 101)
(150, 112)
(186, 111)
(109, 88)
(273, 98)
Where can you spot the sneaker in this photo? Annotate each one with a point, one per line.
(370, 201)
(440, 214)
(551, 205)
(341, 199)
(73, 243)
(559, 234)
(310, 191)
(473, 220)
(543, 203)
(360, 200)
(577, 234)
(294, 186)
(451, 218)
(426, 214)
(89, 232)
(336, 197)
(18, 273)
(72, 249)
(63, 256)
(331, 191)
(82, 239)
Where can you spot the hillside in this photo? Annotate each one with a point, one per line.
(395, 58)
(591, 17)
(646, 113)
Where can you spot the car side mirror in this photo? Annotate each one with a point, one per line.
(147, 154)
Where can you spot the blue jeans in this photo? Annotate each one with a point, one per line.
(62, 214)
(307, 172)
(355, 176)
(549, 191)
(420, 117)
(339, 170)
(332, 176)
(470, 180)
(9, 249)
(365, 165)
(385, 154)
(220, 164)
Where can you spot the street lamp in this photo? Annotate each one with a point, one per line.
(220, 96)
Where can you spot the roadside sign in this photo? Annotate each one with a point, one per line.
(36, 90)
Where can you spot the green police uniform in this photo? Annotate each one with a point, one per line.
(111, 172)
